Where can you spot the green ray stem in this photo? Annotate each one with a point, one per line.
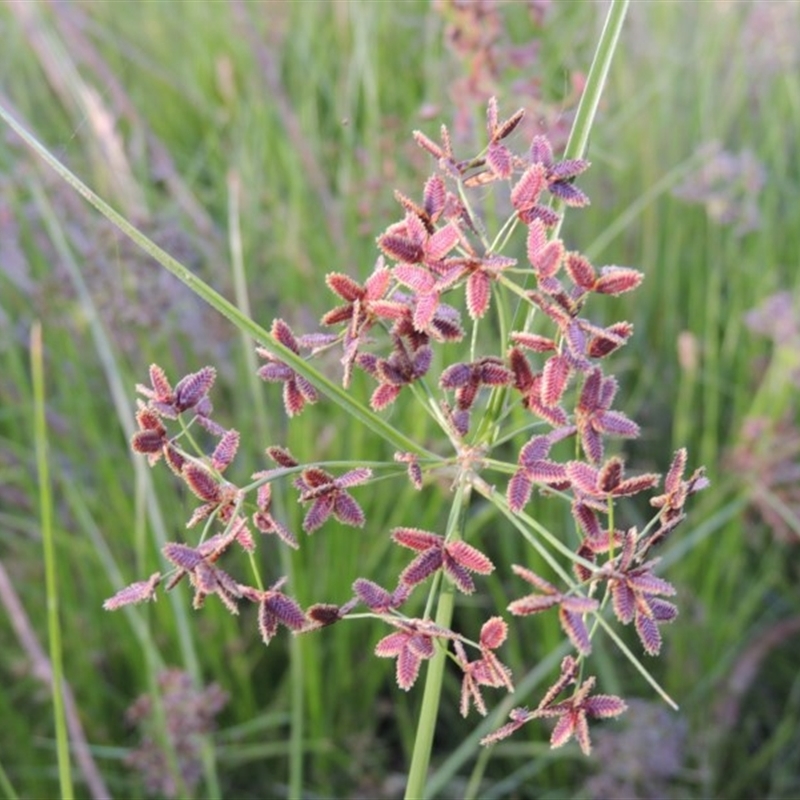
(423, 742)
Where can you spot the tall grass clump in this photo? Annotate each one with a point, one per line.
(435, 461)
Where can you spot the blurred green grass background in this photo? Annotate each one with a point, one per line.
(289, 123)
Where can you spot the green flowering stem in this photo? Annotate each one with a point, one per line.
(596, 79)
(595, 83)
(423, 741)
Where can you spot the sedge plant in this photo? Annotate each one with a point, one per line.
(425, 323)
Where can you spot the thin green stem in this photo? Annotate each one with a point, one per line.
(628, 653)
(423, 741)
(526, 524)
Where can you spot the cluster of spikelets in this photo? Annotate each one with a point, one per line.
(388, 327)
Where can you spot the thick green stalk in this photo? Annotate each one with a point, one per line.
(423, 742)
(596, 80)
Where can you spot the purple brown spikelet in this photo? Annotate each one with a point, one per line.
(328, 496)
(412, 467)
(189, 391)
(225, 450)
(376, 598)
(321, 615)
(412, 644)
(137, 592)
(571, 608)
(276, 608)
(282, 457)
(297, 390)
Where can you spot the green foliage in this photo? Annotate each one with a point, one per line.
(203, 95)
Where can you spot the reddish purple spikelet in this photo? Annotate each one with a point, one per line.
(282, 457)
(276, 608)
(321, 615)
(153, 440)
(593, 417)
(527, 191)
(206, 578)
(400, 369)
(378, 599)
(500, 130)
(636, 595)
(608, 481)
(587, 521)
(573, 715)
(220, 497)
(456, 558)
(535, 467)
(482, 272)
(413, 468)
(559, 175)
(443, 153)
(555, 376)
(532, 341)
(297, 390)
(365, 306)
(677, 490)
(410, 645)
(134, 593)
(571, 608)
(225, 450)
(546, 264)
(519, 716)
(190, 392)
(467, 379)
(328, 496)
(486, 671)
(604, 341)
(263, 519)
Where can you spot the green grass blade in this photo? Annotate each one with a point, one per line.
(125, 414)
(332, 390)
(6, 787)
(50, 566)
